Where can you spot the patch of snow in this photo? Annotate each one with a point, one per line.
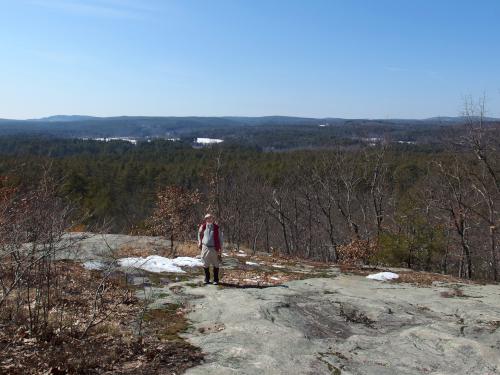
(241, 255)
(225, 254)
(208, 140)
(275, 278)
(187, 262)
(126, 139)
(408, 142)
(93, 265)
(278, 266)
(156, 263)
(252, 263)
(383, 276)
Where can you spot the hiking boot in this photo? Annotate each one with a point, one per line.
(216, 276)
(207, 275)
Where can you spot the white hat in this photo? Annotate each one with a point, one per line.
(208, 215)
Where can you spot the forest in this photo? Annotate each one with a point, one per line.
(425, 208)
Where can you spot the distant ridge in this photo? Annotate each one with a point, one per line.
(66, 118)
(459, 118)
(249, 119)
(231, 127)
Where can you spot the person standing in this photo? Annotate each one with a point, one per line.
(210, 245)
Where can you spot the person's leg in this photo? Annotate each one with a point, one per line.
(216, 275)
(205, 258)
(207, 275)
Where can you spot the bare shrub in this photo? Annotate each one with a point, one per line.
(175, 215)
(32, 224)
(357, 252)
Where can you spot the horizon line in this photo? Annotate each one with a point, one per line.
(246, 116)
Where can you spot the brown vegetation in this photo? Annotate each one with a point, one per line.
(112, 346)
(56, 317)
(258, 278)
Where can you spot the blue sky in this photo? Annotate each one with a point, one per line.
(318, 58)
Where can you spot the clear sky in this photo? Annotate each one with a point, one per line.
(318, 58)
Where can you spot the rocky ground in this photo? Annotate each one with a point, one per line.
(283, 316)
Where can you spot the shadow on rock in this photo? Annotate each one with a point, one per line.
(250, 286)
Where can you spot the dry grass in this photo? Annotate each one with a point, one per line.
(78, 228)
(427, 278)
(258, 278)
(187, 249)
(111, 347)
(418, 278)
(357, 270)
(132, 251)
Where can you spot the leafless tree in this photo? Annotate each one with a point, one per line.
(175, 215)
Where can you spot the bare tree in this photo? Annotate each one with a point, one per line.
(481, 140)
(453, 196)
(175, 215)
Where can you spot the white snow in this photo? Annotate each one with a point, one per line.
(208, 140)
(275, 278)
(126, 139)
(241, 255)
(186, 261)
(252, 263)
(156, 263)
(383, 276)
(278, 266)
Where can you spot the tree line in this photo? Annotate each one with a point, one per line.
(411, 206)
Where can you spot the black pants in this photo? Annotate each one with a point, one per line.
(207, 274)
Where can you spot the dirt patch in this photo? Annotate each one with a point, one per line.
(258, 277)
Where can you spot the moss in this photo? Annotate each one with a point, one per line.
(161, 279)
(166, 323)
(161, 295)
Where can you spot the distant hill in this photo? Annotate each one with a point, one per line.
(66, 118)
(268, 131)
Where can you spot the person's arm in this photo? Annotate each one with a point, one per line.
(199, 236)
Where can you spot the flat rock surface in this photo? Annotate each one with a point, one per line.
(327, 322)
(347, 325)
(94, 246)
